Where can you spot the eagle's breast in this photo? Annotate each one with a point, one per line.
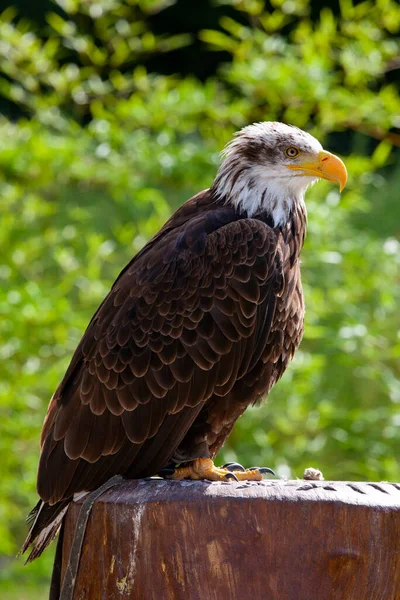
(278, 334)
(288, 323)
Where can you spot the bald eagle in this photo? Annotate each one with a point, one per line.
(199, 325)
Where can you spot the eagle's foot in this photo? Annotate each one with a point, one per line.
(204, 468)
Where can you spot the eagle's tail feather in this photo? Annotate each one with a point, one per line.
(45, 522)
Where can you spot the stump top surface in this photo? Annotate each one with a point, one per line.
(288, 540)
(144, 491)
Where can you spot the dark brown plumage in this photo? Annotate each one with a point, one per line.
(200, 324)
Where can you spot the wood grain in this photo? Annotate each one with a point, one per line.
(271, 540)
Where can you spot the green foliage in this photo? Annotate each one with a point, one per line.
(106, 150)
(89, 54)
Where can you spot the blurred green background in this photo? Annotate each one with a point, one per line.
(113, 114)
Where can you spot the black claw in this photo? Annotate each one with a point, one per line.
(267, 470)
(263, 470)
(233, 466)
(167, 471)
(231, 476)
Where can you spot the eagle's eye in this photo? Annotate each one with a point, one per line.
(292, 152)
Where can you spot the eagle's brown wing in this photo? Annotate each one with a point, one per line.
(165, 339)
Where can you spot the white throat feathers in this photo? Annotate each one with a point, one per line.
(253, 175)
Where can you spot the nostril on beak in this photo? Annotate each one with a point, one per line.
(324, 159)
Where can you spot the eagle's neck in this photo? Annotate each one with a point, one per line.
(292, 232)
(253, 189)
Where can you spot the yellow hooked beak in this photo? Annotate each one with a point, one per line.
(326, 166)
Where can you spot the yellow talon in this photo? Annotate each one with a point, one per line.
(204, 468)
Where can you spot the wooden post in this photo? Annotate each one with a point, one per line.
(272, 540)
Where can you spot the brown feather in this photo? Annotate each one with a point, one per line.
(139, 364)
(112, 400)
(77, 436)
(125, 399)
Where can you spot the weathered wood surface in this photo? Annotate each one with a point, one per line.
(271, 540)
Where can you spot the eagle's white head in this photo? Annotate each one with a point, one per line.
(268, 167)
